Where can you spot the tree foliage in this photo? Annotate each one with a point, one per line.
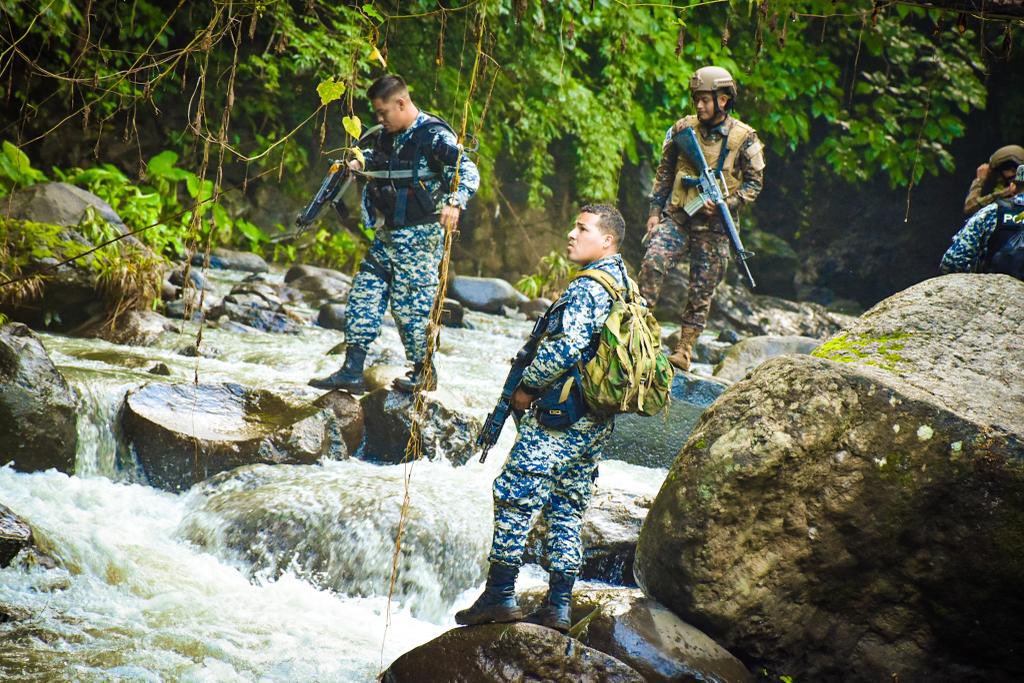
(570, 88)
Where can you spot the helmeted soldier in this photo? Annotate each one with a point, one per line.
(994, 180)
(551, 470)
(410, 200)
(732, 148)
(992, 240)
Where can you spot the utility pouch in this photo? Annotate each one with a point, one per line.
(563, 404)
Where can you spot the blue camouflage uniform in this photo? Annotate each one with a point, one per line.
(402, 263)
(549, 470)
(970, 244)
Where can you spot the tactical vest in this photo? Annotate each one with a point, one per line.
(682, 193)
(405, 201)
(1005, 249)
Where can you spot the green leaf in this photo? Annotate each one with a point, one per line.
(353, 126)
(330, 90)
(370, 11)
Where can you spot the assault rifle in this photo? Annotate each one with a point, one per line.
(491, 429)
(332, 190)
(708, 186)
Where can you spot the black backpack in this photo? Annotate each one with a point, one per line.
(1005, 252)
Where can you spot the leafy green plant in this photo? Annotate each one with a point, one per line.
(554, 272)
(16, 169)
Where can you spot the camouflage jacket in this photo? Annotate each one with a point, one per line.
(570, 336)
(971, 242)
(469, 175)
(750, 164)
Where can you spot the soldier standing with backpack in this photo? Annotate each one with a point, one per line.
(992, 240)
(553, 464)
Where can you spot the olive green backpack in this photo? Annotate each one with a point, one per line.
(629, 373)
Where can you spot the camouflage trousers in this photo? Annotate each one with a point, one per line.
(400, 268)
(708, 251)
(551, 472)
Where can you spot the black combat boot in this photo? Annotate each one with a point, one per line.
(414, 377)
(497, 604)
(556, 611)
(350, 377)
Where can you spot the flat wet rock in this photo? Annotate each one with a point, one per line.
(183, 433)
(507, 652)
(624, 623)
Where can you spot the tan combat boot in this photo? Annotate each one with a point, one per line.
(681, 354)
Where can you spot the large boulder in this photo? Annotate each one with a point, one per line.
(444, 432)
(655, 441)
(38, 419)
(57, 204)
(506, 652)
(751, 352)
(183, 433)
(485, 294)
(335, 526)
(611, 527)
(857, 514)
(45, 225)
(624, 623)
(15, 535)
(132, 328)
(232, 260)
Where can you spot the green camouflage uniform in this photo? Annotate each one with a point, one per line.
(701, 238)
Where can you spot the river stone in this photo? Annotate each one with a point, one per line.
(331, 316)
(183, 433)
(256, 313)
(655, 441)
(534, 308)
(300, 270)
(132, 328)
(453, 314)
(320, 288)
(708, 349)
(199, 281)
(444, 433)
(751, 352)
(232, 260)
(751, 314)
(348, 412)
(624, 623)
(856, 514)
(15, 534)
(37, 406)
(611, 526)
(485, 294)
(506, 652)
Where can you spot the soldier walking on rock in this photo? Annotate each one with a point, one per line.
(551, 470)
(409, 199)
(733, 148)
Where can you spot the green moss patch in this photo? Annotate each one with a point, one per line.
(882, 352)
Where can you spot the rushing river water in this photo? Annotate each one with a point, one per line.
(276, 573)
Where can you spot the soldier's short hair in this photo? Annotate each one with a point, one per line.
(386, 87)
(609, 220)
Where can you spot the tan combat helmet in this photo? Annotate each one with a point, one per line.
(712, 78)
(1010, 153)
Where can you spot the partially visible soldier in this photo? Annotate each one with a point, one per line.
(409, 200)
(992, 240)
(994, 180)
(730, 146)
(550, 470)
